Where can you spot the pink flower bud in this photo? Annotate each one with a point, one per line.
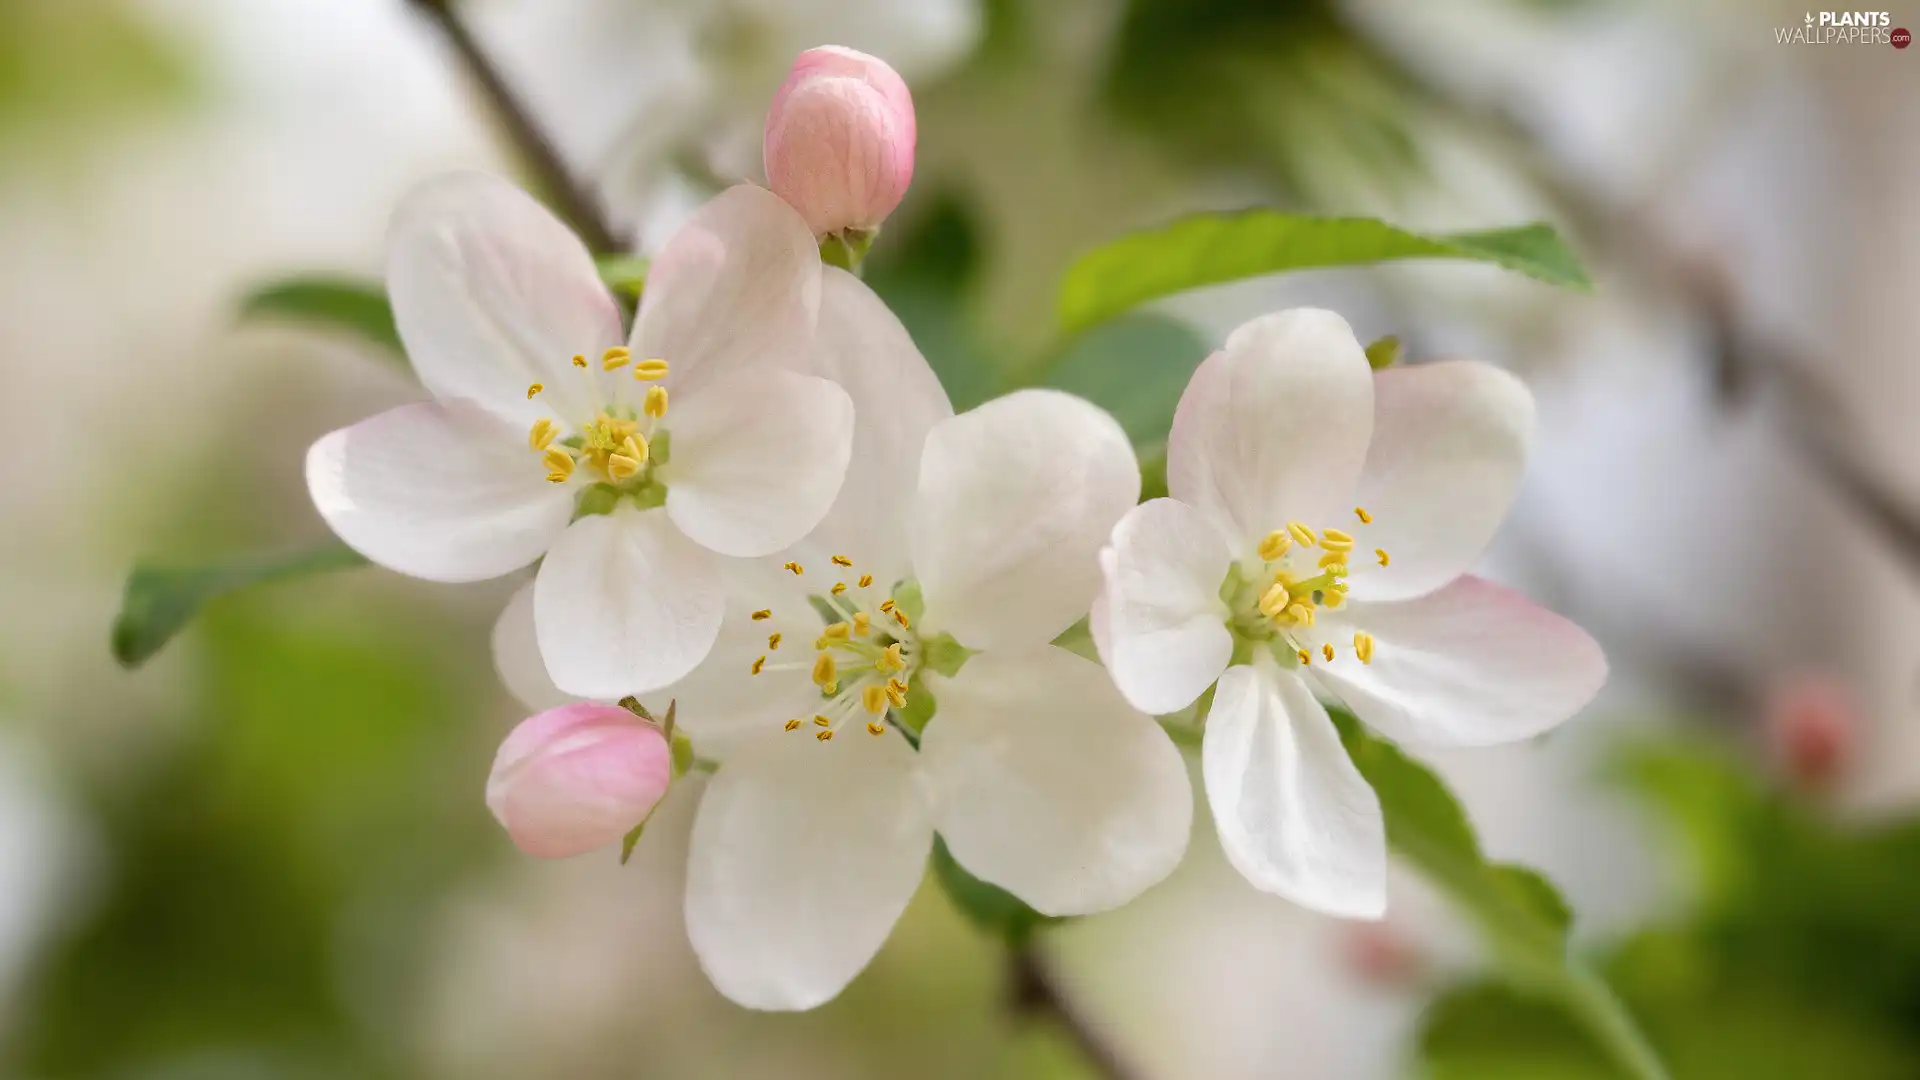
(578, 777)
(1813, 726)
(839, 141)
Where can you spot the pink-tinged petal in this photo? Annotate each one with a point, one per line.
(1014, 501)
(1449, 445)
(491, 293)
(757, 463)
(445, 492)
(803, 856)
(1294, 815)
(1164, 637)
(839, 140)
(624, 604)
(1046, 784)
(1473, 664)
(575, 778)
(1274, 427)
(735, 290)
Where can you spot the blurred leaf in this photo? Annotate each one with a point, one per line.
(1208, 249)
(63, 62)
(1384, 353)
(1135, 367)
(927, 272)
(358, 308)
(159, 601)
(624, 274)
(989, 907)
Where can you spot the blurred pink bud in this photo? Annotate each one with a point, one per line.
(839, 141)
(1813, 727)
(578, 777)
(1381, 956)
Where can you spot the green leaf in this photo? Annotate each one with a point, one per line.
(987, 906)
(357, 307)
(624, 274)
(1134, 367)
(1208, 249)
(159, 601)
(1384, 353)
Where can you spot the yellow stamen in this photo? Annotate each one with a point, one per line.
(891, 660)
(534, 389)
(842, 560)
(1333, 557)
(655, 404)
(559, 464)
(821, 721)
(763, 615)
(897, 693)
(542, 434)
(832, 689)
(865, 580)
(1363, 646)
(1274, 601)
(1361, 513)
(650, 370)
(901, 618)
(1329, 537)
(873, 698)
(875, 727)
(1302, 613)
(838, 588)
(773, 640)
(621, 467)
(1334, 599)
(760, 663)
(825, 736)
(792, 724)
(824, 671)
(1306, 658)
(793, 566)
(1337, 569)
(1327, 651)
(615, 357)
(837, 632)
(635, 446)
(1275, 545)
(1302, 533)
(579, 361)
(1381, 554)
(862, 622)
(886, 606)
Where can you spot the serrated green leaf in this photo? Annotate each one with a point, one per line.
(355, 307)
(159, 601)
(1209, 249)
(987, 906)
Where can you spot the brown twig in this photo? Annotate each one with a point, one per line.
(571, 200)
(1035, 991)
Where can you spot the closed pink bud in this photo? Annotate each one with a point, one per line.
(839, 141)
(1814, 726)
(578, 777)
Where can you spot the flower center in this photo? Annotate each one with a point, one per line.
(618, 447)
(862, 661)
(1297, 571)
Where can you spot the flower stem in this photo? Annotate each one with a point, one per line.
(1593, 1004)
(1035, 991)
(571, 200)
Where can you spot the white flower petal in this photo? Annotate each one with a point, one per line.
(516, 656)
(804, 854)
(1274, 427)
(1473, 664)
(1015, 499)
(896, 400)
(1165, 632)
(1048, 785)
(492, 293)
(624, 604)
(437, 491)
(757, 462)
(1449, 445)
(737, 288)
(1294, 815)
(723, 704)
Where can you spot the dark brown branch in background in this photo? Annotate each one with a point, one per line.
(1034, 991)
(570, 199)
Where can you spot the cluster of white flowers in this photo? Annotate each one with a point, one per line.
(762, 507)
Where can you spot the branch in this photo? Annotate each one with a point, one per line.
(572, 200)
(1034, 991)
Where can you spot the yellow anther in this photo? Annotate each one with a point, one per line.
(1381, 554)
(559, 464)
(763, 615)
(1334, 599)
(1327, 651)
(842, 560)
(773, 640)
(1306, 658)
(821, 721)
(837, 632)
(896, 694)
(862, 622)
(1331, 544)
(1363, 646)
(792, 725)
(650, 370)
(865, 580)
(1361, 513)
(534, 389)
(1302, 613)
(615, 357)
(824, 671)
(1332, 537)
(760, 663)
(635, 446)
(838, 588)
(1275, 545)
(579, 361)
(542, 434)
(1333, 558)
(1302, 533)
(793, 566)
(1274, 601)
(886, 606)
(901, 618)
(825, 736)
(891, 660)
(1337, 569)
(621, 467)
(655, 404)
(875, 727)
(873, 698)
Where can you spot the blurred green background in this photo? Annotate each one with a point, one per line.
(265, 854)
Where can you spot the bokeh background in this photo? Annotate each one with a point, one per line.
(264, 854)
